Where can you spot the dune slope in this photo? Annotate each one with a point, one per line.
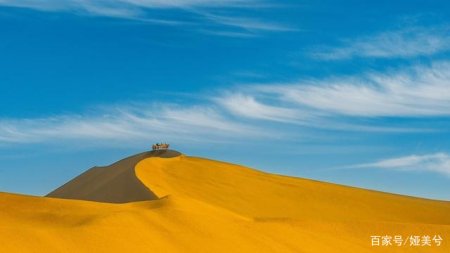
(201, 205)
(116, 183)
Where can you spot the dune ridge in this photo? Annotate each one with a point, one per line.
(260, 195)
(116, 183)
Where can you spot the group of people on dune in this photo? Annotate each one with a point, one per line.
(159, 146)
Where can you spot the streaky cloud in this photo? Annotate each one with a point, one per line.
(137, 10)
(128, 124)
(248, 106)
(437, 162)
(418, 91)
(404, 43)
(260, 111)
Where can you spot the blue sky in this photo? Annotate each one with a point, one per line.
(354, 93)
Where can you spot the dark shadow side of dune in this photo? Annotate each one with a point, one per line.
(116, 183)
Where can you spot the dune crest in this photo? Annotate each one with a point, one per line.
(261, 195)
(116, 183)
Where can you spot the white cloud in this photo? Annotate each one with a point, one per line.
(338, 103)
(414, 92)
(129, 125)
(93, 5)
(136, 10)
(347, 103)
(249, 24)
(248, 106)
(394, 44)
(439, 163)
(230, 34)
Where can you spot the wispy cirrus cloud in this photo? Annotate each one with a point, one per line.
(260, 111)
(202, 12)
(101, 6)
(404, 43)
(419, 91)
(438, 163)
(247, 106)
(250, 24)
(128, 124)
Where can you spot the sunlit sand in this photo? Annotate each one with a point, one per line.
(189, 204)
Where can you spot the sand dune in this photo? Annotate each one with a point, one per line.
(116, 183)
(200, 205)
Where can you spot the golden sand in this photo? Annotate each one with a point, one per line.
(211, 206)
